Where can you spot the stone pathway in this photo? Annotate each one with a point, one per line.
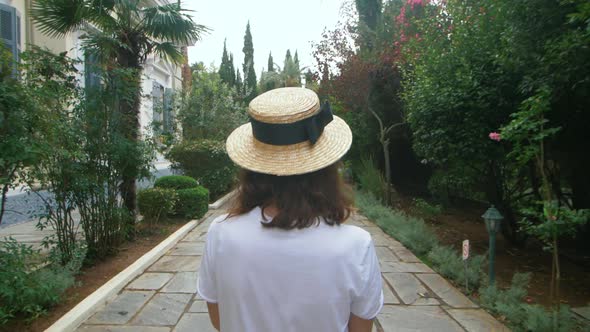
(163, 299)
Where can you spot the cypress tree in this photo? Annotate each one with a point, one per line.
(232, 70)
(224, 68)
(271, 65)
(239, 83)
(297, 68)
(250, 82)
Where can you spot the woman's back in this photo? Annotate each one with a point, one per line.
(270, 279)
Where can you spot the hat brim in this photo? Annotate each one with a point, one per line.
(301, 158)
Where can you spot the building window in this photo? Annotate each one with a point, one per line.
(10, 30)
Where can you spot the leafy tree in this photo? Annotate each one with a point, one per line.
(19, 120)
(291, 72)
(212, 109)
(250, 81)
(124, 32)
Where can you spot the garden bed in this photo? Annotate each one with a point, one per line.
(91, 278)
(454, 225)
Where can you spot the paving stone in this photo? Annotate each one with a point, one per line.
(411, 319)
(375, 231)
(446, 291)
(405, 267)
(583, 311)
(150, 281)
(122, 308)
(187, 249)
(409, 289)
(354, 222)
(193, 235)
(163, 309)
(195, 322)
(198, 306)
(405, 255)
(183, 282)
(476, 320)
(107, 328)
(388, 296)
(386, 255)
(381, 240)
(176, 264)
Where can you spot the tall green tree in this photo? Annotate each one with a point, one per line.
(232, 70)
(124, 32)
(250, 81)
(239, 83)
(291, 71)
(225, 69)
(271, 64)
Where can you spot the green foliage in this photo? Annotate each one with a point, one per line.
(449, 263)
(426, 210)
(370, 177)
(176, 182)
(18, 120)
(25, 290)
(411, 232)
(520, 316)
(155, 203)
(192, 202)
(207, 161)
(211, 110)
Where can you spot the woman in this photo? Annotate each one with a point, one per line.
(282, 259)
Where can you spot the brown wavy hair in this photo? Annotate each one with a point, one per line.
(301, 200)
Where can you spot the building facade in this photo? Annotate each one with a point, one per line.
(160, 77)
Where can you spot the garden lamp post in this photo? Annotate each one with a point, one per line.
(492, 218)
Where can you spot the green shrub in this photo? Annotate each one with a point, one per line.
(370, 178)
(411, 232)
(192, 202)
(207, 161)
(426, 210)
(449, 263)
(520, 315)
(155, 203)
(24, 290)
(176, 182)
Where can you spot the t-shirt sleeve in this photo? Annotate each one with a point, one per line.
(207, 282)
(368, 300)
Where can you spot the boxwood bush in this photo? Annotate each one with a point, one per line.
(192, 202)
(155, 203)
(207, 161)
(176, 182)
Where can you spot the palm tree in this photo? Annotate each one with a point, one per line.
(123, 33)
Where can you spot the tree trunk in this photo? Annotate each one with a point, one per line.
(129, 111)
(386, 159)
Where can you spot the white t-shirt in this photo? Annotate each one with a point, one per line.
(268, 279)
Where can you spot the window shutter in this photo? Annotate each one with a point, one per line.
(167, 111)
(8, 29)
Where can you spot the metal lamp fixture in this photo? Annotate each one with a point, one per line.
(493, 219)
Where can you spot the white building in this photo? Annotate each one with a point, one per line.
(160, 77)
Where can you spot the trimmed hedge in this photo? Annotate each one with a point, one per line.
(207, 161)
(192, 202)
(176, 182)
(155, 203)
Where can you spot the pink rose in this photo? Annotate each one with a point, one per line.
(495, 136)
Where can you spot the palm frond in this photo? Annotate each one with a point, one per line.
(171, 23)
(58, 17)
(168, 51)
(105, 46)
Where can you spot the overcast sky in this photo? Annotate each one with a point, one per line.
(276, 25)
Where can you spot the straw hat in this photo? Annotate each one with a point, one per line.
(289, 133)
